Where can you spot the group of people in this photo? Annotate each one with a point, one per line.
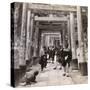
(58, 56)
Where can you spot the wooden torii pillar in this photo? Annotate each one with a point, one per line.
(22, 61)
(16, 39)
(73, 45)
(69, 34)
(63, 35)
(41, 44)
(82, 62)
(31, 34)
(36, 39)
(28, 36)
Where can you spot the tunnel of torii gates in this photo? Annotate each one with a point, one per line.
(36, 25)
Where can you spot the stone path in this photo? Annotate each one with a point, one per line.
(51, 77)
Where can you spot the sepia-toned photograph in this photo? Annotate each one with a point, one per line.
(49, 44)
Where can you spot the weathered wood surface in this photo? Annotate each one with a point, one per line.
(51, 18)
(22, 60)
(80, 35)
(52, 7)
(28, 35)
(17, 30)
(72, 29)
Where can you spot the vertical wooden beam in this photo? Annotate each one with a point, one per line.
(60, 39)
(63, 34)
(22, 61)
(28, 35)
(69, 34)
(41, 44)
(42, 35)
(82, 61)
(43, 39)
(31, 35)
(36, 39)
(16, 38)
(47, 40)
(73, 46)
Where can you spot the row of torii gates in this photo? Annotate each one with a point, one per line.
(30, 32)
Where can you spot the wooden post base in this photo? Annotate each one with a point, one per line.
(74, 64)
(83, 68)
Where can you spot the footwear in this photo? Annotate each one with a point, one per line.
(64, 74)
(68, 76)
(34, 81)
(54, 68)
(60, 68)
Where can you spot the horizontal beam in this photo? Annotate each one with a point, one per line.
(50, 27)
(50, 18)
(52, 7)
(51, 33)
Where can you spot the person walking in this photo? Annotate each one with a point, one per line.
(66, 60)
(43, 59)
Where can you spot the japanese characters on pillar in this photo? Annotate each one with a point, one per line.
(73, 46)
(82, 61)
(22, 61)
(84, 15)
(80, 35)
(17, 21)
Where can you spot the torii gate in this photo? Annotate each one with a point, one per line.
(66, 8)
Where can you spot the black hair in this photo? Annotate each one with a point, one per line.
(36, 73)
